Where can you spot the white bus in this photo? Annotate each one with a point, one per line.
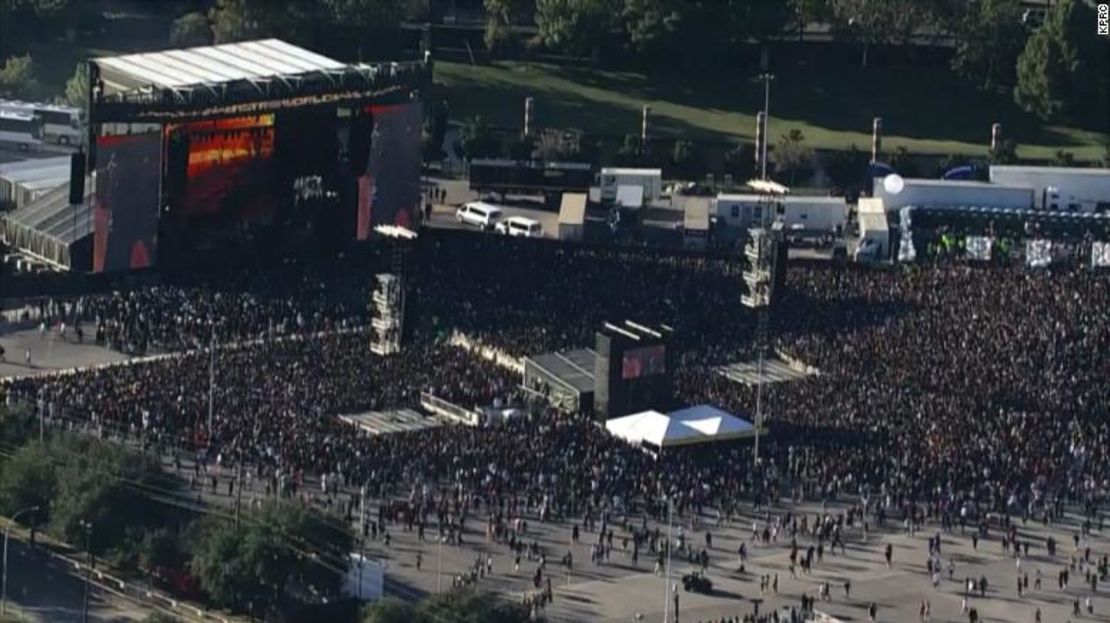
(60, 124)
(22, 130)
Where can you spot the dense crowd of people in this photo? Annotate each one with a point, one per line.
(987, 382)
(195, 311)
(945, 391)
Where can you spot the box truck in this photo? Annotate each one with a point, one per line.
(611, 178)
(1069, 189)
(695, 223)
(572, 216)
(873, 244)
(955, 193)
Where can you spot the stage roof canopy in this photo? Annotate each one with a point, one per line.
(698, 424)
(574, 368)
(211, 65)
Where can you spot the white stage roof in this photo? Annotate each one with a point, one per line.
(698, 424)
(210, 65)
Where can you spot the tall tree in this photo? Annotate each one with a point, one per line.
(191, 29)
(77, 87)
(740, 161)
(476, 139)
(576, 27)
(500, 17)
(293, 20)
(650, 24)
(374, 13)
(758, 20)
(246, 567)
(989, 39)
(17, 78)
(28, 479)
(807, 12)
(846, 169)
(97, 484)
(1064, 69)
(792, 157)
(870, 23)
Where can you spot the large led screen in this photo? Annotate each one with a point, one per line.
(126, 207)
(389, 190)
(228, 177)
(646, 361)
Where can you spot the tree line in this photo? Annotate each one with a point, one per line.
(1053, 64)
(144, 523)
(283, 558)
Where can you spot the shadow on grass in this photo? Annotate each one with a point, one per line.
(916, 103)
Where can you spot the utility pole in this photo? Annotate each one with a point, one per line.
(239, 496)
(876, 138)
(87, 527)
(439, 564)
(361, 558)
(667, 573)
(767, 78)
(211, 382)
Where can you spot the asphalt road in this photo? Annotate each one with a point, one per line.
(11, 153)
(50, 352)
(42, 588)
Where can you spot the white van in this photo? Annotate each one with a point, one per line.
(479, 213)
(520, 226)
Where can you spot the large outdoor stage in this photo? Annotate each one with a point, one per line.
(246, 148)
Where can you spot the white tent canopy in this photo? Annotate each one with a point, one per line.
(698, 424)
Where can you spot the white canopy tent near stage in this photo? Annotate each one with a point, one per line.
(692, 425)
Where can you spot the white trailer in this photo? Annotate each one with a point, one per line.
(612, 178)
(955, 193)
(798, 213)
(739, 211)
(1069, 189)
(572, 216)
(814, 215)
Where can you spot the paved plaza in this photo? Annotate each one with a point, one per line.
(50, 351)
(617, 591)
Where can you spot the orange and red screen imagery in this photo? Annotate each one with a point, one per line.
(646, 361)
(389, 190)
(228, 167)
(127, 201)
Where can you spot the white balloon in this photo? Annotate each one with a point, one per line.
(893, 183)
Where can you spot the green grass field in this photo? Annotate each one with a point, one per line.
(926, 111)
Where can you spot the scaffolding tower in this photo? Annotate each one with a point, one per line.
(387, 302)
(765, 252)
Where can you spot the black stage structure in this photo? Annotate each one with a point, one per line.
(207, 155)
